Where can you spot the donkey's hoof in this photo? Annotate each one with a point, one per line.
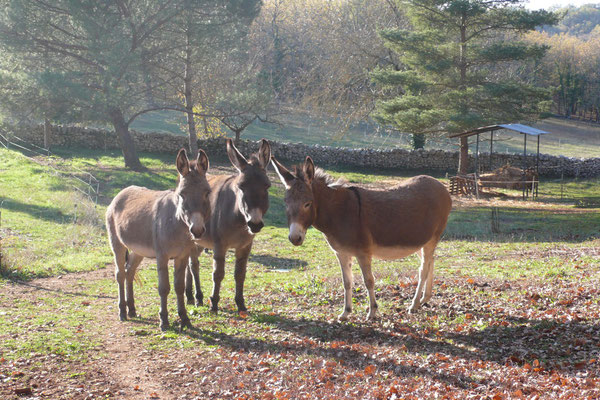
(132, 314)
(185, 324)
(164, 327)
(123, 317)
(199, 302)
(413, 309)
(372, 316)
(190, 302)
(343, 317)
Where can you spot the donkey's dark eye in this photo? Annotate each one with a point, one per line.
(306, 205)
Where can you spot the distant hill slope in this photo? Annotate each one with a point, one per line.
(569, 138)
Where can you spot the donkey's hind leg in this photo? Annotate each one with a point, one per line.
(416, 302)
(425, 277)
(133, 263)
(192, 278)
(120, 253)
(429, 254)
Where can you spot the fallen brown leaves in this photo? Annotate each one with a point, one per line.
(479, 339)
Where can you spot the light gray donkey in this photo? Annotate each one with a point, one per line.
(163, 225)
(238, 204)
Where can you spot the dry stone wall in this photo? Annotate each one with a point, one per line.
(72, 136)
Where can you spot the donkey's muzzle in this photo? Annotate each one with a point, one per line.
(197, 231)
(296, 240)
(255, 227)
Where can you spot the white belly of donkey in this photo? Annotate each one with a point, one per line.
(393, 253)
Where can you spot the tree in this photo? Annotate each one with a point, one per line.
(317, 54)
(452, 78)
(571, 68)
(92, 53)
(25, 101)
(203, 34)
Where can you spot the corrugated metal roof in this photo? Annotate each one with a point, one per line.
(528, 130)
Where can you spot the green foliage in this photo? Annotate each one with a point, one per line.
(453, 59)
(577, 21)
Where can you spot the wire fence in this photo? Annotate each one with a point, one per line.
(82, 181)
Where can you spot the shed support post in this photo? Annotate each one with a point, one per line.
(477, 167)
(537, 167)
(491, 147)
(524, 163)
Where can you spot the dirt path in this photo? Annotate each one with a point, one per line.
(126, 370)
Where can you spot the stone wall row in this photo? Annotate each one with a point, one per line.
(72, 136)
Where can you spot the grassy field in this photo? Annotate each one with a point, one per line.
(567, 137)
(514, 314)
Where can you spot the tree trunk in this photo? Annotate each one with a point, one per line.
(132, 160)
(463, 161)
(189, 101)
(47, 132)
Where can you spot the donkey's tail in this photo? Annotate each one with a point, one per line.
(136, 277)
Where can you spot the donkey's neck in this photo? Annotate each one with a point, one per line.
(333, 204)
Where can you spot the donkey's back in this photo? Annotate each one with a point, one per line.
(130, 218)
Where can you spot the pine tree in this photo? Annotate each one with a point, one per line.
(454, 58)
(88, 54)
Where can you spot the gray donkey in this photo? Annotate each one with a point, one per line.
(238, 204)
(163, 225)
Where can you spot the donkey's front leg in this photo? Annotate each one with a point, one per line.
(179, 283)
(162, 264)
(218, 274)
(192, 278)
(365, 267)
(346, 265)
(241, 261)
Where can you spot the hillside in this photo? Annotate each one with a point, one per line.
(569, 138)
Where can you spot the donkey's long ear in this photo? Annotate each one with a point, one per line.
(183, 165)
(264, 153)
(202, 161)
(236, 158)
(285, 175)
(309, 169)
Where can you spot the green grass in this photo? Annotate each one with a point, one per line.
(55, 326)
(45, 234)
(491, 289)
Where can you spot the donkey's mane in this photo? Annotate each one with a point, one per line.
(322, 177)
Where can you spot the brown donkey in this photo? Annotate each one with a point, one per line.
(363, 223)
(159, 224)
(239, 203)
